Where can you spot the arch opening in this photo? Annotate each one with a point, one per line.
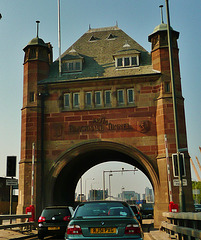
(121, 181)
(75, 162)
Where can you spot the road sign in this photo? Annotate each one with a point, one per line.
(11, 182)
(196, 191)
(11, 166)
(176, 182)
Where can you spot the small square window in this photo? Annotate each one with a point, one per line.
(167, 87)
(67, 100)
(76, 99)
(88, 98)
(119, 62)
(107, 97)
(32, 97)
(70, 66)
(77, 65)
(134, 61)
(98, 98)
(130, 95)
(120, 96)
(126, 61)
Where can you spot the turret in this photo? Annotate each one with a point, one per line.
(159, 48)
(37, 59)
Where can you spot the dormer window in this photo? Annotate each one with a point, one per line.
(111, 37)
(72, 66)
(93, 38)
(72, 62)
(127, 57)
(127, 61)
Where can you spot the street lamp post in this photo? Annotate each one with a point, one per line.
(181, 193)
(115, 171)
(81, 189)
(92, 191)
(122, 189)
(110, 175)
(85, 189)
(103, 185)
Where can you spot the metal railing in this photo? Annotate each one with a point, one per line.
(21, 224)
(185, 226)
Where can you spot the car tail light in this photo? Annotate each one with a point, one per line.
(74, 229)
(66, 218)
(41, 219)
(132, 229)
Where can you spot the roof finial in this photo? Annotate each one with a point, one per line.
(126, 44)
(37, 22)
(116, 24)
(161, 7)
(89, 26)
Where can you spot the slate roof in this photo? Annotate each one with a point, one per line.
(72, 54)
(98, 47)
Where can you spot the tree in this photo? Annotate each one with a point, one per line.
(196, 196)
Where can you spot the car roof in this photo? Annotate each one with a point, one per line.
(106, 201)
(59, 207)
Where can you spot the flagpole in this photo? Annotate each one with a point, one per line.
(59, 37)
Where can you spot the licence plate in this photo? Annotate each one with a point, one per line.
(102, 230)
(53, 228)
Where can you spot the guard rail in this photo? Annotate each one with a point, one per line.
(186, 226)
(21, 224)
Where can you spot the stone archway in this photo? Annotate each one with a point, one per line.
(68, 169)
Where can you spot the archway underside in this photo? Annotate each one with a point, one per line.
(86, 157)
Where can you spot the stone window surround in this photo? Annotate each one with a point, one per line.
(71, 66)
(123, 60)
(114, 101)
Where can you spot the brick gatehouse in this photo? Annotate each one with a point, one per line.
(108, 99)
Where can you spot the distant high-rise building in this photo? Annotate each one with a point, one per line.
(136, 196)
(97, 194)
(149, 197)
(128, 195)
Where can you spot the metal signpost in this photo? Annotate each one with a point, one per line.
(11, 172)
(115, 171)
(11, 182)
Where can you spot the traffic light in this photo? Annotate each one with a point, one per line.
(11, 166)
(175, 164)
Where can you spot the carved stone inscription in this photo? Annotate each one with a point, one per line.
(100, 125)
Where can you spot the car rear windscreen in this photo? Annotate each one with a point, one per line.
(103, 209)
(55, 212)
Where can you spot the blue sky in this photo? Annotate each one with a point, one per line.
(135, 17)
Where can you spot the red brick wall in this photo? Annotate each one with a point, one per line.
(113, 124)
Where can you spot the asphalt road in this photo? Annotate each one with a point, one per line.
(147, 225)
